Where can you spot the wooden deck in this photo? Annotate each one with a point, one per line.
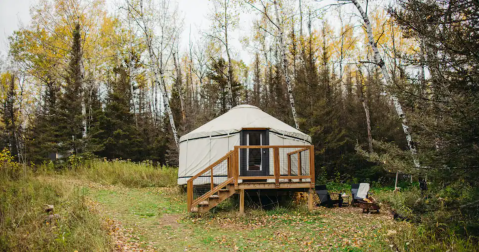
(291, 159)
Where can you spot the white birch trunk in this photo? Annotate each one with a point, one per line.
(159, 82)
(130, 66)
(379, 61)
(229, 100)
(285, 65)
(368, 122)
(157, 71)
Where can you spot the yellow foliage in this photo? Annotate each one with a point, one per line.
(9, 168)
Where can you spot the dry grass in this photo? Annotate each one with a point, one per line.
(24, 225)
(126, 173)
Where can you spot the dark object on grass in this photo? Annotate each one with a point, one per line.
(368, 206)
(49, 208)
(423, 185)
(399, 217)
(325, 198)
(354, 192)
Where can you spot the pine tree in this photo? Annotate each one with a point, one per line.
(70, 124)
(42, 137)
(117, 128)
(9, 117)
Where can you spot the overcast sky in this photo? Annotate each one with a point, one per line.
(12, 14)
(15, 13)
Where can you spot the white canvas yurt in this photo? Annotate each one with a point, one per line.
(242, 125)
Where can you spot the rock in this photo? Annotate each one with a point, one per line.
(49, 208)
(50, 218)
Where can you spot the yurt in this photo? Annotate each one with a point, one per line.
(242, 125)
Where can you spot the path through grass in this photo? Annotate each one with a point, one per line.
(156, 219)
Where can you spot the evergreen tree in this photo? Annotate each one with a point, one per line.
(9, 116)
(116, 125)
(42, 137)
(70, 125)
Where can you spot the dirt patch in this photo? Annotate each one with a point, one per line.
(170, 220)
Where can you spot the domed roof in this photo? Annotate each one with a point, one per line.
(244, 116)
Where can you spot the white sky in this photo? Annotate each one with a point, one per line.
(13, 13)
(16, 13)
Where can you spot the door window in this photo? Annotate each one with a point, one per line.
(253, 156)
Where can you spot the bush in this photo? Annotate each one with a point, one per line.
(440, 215)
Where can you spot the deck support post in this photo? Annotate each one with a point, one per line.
(276, 166)
(310, 199)
(241, 202)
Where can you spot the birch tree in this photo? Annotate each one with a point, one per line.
(224, 20)
(380, 63)
(159, 46)
(278, 24)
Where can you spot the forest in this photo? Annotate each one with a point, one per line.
(382, 87)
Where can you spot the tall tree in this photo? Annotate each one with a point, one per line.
(381, 64)
(70, 124)
(143, 16)
(279, 25)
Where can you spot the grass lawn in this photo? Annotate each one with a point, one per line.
(156, 219)
(124, 210)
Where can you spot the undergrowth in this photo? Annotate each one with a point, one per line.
(120, 172)
(24, 224)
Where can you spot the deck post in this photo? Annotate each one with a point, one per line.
(241, 202)
(312, 172)
(289, 166)
(212, 179)
(276, 166)
(300, 171)
(189, 193)
(236, 165)
(310, 199)
(228, 164)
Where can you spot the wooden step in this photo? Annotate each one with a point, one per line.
(214, 197)
(203, 203)
(194, 209)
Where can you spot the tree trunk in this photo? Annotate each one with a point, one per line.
(130, 66)
(366, 111)
(379, 61)
(230, 100)
(368, 122)
(285, 66)
(178, 87)
(159, 81)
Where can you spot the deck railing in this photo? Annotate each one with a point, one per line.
(287, 163)
(214, 176)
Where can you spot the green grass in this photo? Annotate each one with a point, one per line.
(158, 216)
(122, 204)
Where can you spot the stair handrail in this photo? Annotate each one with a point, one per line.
(210, 167)
(209, 193)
